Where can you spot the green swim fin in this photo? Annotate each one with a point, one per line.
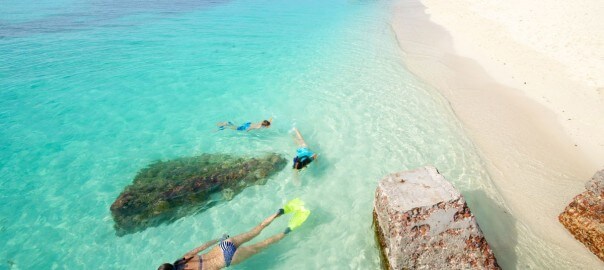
(299, 217)
(293, 205)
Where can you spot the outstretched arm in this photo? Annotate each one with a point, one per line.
(201, 248)
(299, 139)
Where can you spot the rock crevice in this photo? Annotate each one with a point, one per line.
(423, 222)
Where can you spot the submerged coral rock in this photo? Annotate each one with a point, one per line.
(423, 222)
(584, 216)
(168, 190)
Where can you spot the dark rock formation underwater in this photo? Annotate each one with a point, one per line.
(168, 190)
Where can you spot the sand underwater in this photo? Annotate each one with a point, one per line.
(93, 91)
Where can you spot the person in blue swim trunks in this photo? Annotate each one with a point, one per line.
(303, 155)
(246, 126)
(229, 250)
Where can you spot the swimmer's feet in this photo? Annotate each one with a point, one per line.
(296, 221)
(300, 214)
(298, 218)
(224, 124)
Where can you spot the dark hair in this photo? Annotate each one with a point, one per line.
(266, 123)
(166, 266)
(301, 162)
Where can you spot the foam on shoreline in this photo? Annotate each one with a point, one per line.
(513, 99)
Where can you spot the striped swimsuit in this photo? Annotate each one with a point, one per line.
(228, 250)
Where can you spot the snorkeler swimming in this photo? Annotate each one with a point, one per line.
(247, 126)
(303, 155)
(230, 251)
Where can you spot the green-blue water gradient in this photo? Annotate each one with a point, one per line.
(93, 91)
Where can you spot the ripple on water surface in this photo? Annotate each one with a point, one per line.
(93, 91)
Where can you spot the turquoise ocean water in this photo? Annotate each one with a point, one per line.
(92, 91)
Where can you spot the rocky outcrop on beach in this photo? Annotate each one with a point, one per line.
(168, 190)
(423, 222)
(584, 216)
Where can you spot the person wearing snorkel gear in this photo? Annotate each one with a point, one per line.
(228, 251)
(303, 155)
(246, 126)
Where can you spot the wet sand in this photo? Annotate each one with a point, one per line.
(538, 121)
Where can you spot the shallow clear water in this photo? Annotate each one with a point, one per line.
(93, 91)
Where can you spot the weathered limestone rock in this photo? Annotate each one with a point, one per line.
(168, 190)
(584, 216)
(423, 222)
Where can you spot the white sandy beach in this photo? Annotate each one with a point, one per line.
(527, 81)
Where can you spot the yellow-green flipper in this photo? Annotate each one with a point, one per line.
(299, 217)
(300, 214)
(293, 205)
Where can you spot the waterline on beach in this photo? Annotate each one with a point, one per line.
(528, 153)
(84, 109)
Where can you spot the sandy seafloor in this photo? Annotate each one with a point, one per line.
(93, 91)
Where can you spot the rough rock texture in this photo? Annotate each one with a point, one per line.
(168, 190)
(584, 216)
(423, 222)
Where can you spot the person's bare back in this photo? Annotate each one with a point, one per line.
(247, 126)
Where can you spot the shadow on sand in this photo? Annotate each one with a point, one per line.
(498, 226)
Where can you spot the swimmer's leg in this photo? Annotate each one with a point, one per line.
(228, 124)
(238, 240)
(245, 252)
